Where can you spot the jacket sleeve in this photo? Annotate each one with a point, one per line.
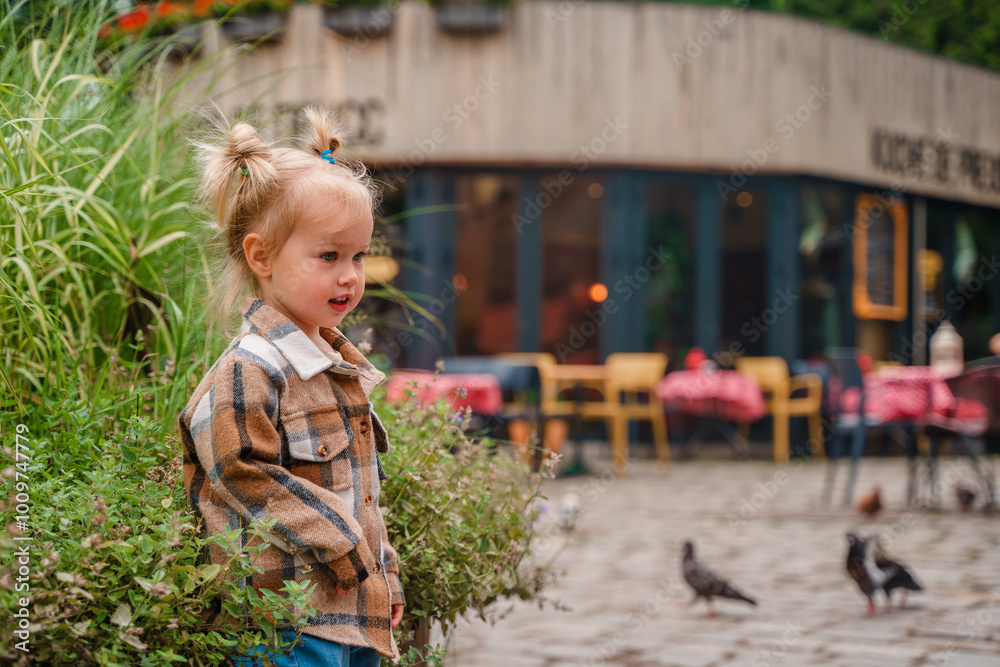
(391, 564)
(237, 450)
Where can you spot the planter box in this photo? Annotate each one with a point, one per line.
(371, 21)
(259, 27)
(470, 18)
(187, 38)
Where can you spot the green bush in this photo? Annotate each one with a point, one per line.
(460, 513)
(116, 573)
(114, 555)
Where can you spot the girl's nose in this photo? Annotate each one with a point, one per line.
(348, 277)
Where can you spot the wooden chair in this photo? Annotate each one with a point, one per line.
(771, 373)
(551, 423)
(628, 375)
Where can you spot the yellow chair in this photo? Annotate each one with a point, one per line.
(628, 375)
(556, 429)
(771, 373)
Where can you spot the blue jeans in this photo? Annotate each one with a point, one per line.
(315, 652)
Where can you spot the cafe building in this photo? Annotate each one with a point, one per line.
(590, 177)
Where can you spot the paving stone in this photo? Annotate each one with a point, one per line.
(623, 578)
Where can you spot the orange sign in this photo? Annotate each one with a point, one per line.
(880, 258)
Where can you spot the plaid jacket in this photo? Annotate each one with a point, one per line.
(279, 428)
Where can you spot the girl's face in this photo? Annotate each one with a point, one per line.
(318, 276)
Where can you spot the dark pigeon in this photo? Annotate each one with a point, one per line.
(707, 584)
(873, 570)
(900, 577)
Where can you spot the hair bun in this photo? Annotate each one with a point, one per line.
(245, 145)
(325, 131)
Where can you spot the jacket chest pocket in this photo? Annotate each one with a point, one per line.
(322, 436)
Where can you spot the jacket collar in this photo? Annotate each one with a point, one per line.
(303, 354)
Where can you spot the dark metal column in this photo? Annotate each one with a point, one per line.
(784, 223)
(707, 266)
(431, 241)
(529, 266)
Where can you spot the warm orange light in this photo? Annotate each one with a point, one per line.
(595, 190)
(744, 199)
(460, 282)
(597, 292)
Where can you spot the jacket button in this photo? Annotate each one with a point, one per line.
(368, 499)
(323, 450)
(364, 427)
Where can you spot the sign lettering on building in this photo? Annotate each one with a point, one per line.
(937, 158)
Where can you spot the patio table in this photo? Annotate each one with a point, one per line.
(920, 396)
(482, 391)
(720, 396)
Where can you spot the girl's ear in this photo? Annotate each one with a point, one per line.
(253, 249)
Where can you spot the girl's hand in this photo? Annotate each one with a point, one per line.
(397, 614)
(341, 591)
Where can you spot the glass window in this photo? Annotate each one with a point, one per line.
(571, 271)
(744, 271)
(485, 263)
(823, 249)
(669, 309)
(966, 290)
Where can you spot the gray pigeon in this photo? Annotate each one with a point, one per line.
(707, 584)
(873, 570)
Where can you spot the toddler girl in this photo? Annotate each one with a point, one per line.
(282, 426)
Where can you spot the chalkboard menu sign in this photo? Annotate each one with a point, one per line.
(880, 256)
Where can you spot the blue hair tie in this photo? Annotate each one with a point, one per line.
(328, 156)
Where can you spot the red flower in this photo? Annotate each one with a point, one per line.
(135, 20)
(169, 9)
(202, 7)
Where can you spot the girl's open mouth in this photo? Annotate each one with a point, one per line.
(339, 305)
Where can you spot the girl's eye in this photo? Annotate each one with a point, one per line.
(328, 256)
(360, 256)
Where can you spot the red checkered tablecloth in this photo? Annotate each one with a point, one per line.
(481, 391)
(916, 394)
(727, 395)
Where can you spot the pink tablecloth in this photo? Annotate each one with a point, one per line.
(727, 395)
(916, 394)
(480, 391)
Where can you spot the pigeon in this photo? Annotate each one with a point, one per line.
(965, 497)
(901, 578)
(707, 584)
(873, 570)
(871, 503)
(569, 511)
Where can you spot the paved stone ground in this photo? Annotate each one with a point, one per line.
(623, 587)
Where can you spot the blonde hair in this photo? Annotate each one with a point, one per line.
(252, 186)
